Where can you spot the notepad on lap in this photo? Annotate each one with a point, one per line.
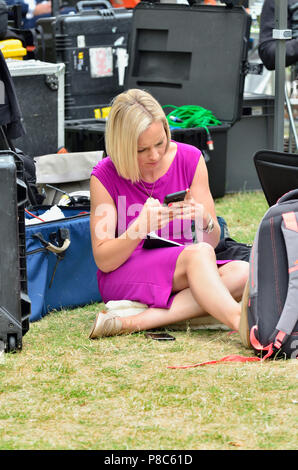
(154, 241)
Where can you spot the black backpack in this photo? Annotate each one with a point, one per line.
(272, 303)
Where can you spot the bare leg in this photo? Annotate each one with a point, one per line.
(202, 288)
(234, 275)
(184, 307)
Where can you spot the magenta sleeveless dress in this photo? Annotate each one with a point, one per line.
(147, 275)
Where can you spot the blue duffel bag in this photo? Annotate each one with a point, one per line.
(61, 272)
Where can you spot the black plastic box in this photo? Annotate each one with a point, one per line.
(93, 46)
(84, 135)
(15, 307)
(215, 159)
(87, 135)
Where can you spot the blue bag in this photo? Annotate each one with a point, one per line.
(61, 271)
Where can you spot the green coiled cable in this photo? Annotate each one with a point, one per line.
(183, 117)
(191, 116)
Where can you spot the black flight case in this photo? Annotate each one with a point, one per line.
(93, 45)
(15, 306)
(186, 55)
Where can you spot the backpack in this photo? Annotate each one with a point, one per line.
(272, 303)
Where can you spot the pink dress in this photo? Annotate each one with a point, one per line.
(147, 275)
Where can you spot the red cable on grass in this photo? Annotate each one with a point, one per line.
(231, 358)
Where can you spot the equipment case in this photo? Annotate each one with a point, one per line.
(187, 55)
(93, 45)
(40, 91)
(15, 307)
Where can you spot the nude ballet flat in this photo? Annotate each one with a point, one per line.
(105, 324)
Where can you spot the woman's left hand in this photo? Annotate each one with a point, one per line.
(190, 209)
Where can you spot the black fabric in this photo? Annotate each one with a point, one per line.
(228, 248)
(22, 4)
(267, 45)
(35, 198)
(3, 19)
(10, 112)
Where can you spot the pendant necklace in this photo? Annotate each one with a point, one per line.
(150, 198)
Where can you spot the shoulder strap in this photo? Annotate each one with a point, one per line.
(289, 315)
(289, 196)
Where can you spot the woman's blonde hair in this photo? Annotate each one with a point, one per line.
(132, 112)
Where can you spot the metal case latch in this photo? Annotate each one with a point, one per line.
(52, 82)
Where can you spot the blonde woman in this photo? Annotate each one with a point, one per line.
(127, 192)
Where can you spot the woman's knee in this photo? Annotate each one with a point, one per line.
(195, 253)
(203, 250)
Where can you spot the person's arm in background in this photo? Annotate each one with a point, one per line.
(43, 8)
(267, 45)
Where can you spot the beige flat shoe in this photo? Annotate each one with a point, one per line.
(105, 324)
(243, 326)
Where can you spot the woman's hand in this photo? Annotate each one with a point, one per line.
(206, 226)
(190, 209)
(154, 216)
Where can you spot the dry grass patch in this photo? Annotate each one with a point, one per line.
(117, 393)
(63, 391)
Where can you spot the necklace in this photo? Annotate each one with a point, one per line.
(150, 198)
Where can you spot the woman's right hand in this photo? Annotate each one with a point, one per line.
(154, 216)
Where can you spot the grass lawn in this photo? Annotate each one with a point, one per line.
(63, 391)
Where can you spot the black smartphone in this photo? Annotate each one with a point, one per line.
(160, 336)
(174, 197)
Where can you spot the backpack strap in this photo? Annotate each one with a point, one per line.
(289, 315)
(289, 196)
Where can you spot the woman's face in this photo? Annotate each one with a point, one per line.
(152, 145)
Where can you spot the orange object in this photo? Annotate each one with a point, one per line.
(62, 150)
(124, 3)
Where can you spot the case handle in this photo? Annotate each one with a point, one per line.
(80, 6)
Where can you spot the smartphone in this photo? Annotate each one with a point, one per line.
(174, 197)
(160, 336)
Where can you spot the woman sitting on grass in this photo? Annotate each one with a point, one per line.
(127, 193)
